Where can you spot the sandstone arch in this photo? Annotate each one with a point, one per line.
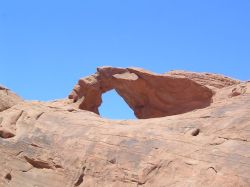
(148, 94)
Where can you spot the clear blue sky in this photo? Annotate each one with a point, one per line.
(47, 45)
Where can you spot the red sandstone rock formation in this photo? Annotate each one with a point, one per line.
(57, 144)
(148, 94)
(7, 98)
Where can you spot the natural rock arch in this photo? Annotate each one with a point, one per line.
(149, 95)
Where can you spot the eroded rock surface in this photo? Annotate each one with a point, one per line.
(7, 98)
(149, 95)
(210, 80)
(55, 144)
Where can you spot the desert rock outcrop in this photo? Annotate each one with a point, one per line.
(7, 98)
(57, 144)
(149, 95)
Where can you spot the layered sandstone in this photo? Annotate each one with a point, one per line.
(58, 144)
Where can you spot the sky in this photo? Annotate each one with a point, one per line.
(47, 45)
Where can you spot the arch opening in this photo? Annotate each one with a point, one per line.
(114, 107)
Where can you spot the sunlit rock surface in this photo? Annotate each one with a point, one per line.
(58, 144)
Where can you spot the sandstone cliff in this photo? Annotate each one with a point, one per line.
(201, 138)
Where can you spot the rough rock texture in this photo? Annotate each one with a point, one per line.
(148, 94)
(210, 80)
(56, 144)
(7, 98)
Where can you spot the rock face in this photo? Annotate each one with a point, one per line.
(149, 95)
(57, 144)
(7, 98)
(210, 80)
